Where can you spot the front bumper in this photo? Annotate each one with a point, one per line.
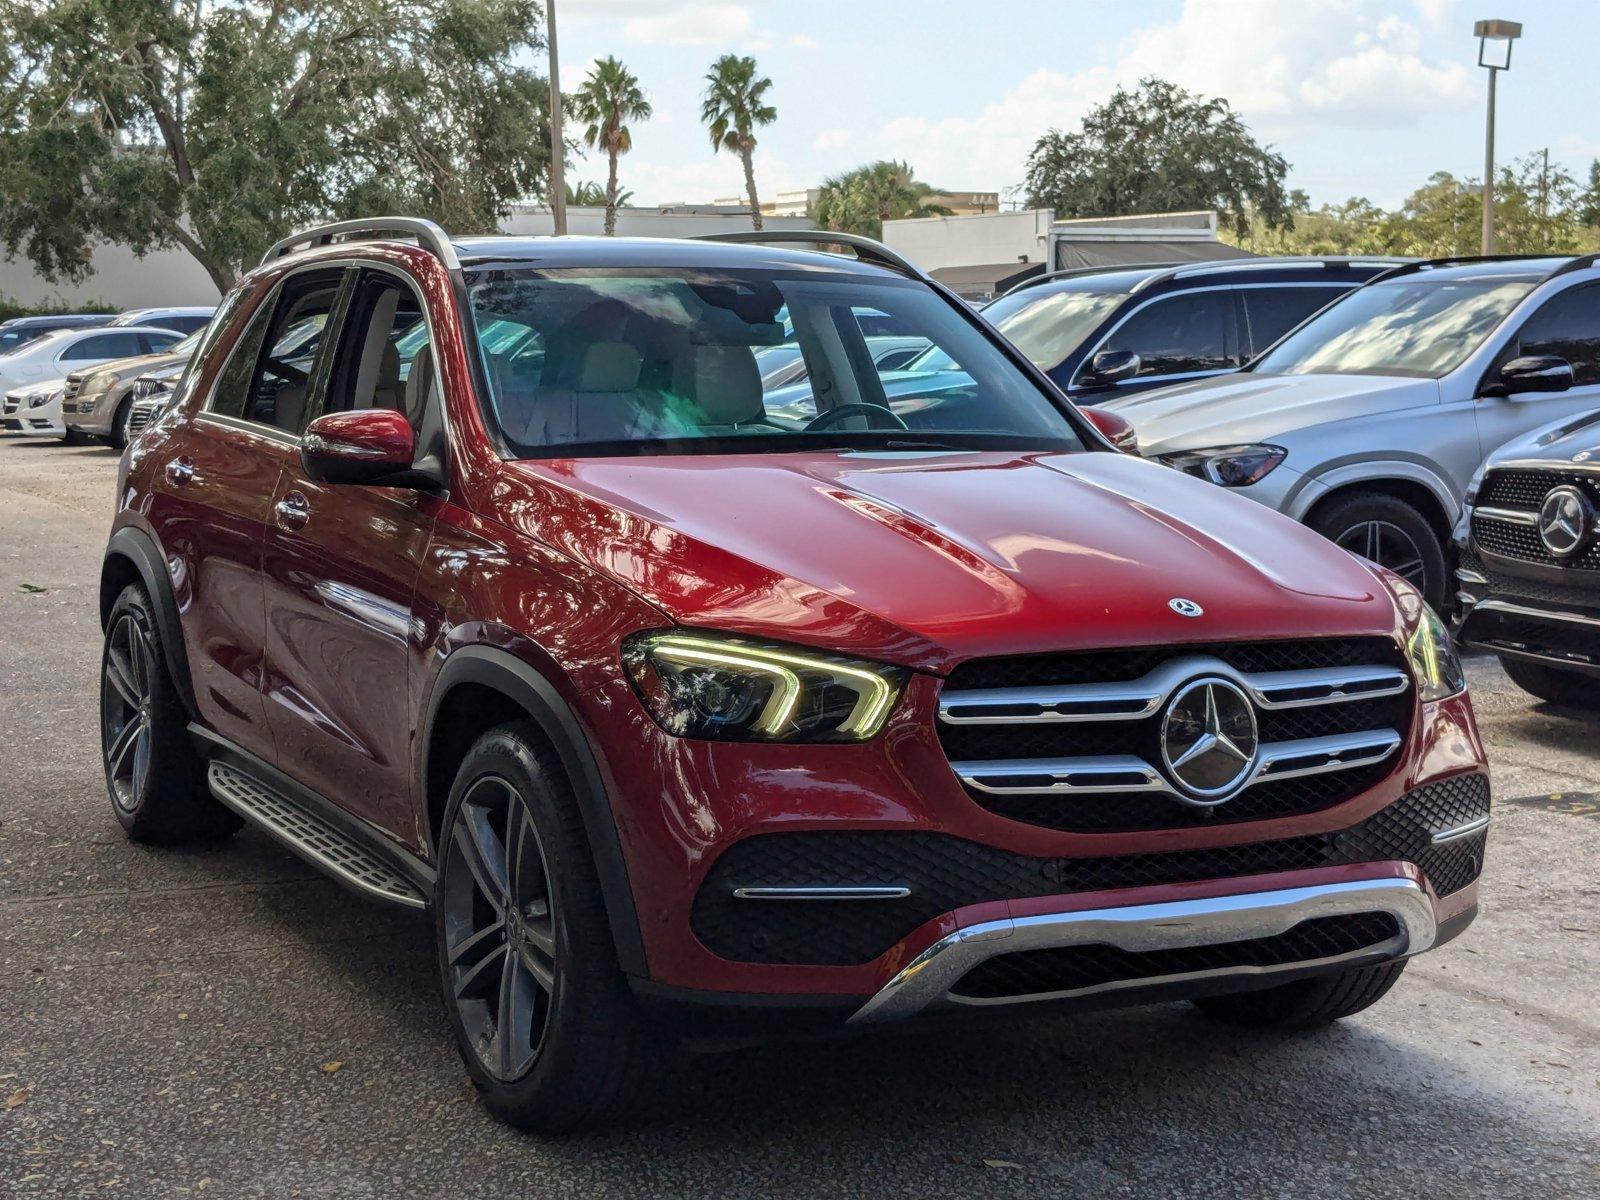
(1527, 611)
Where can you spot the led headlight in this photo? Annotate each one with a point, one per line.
(1434, 661)
(724, 689)
(96, 384)
(1230, 466)
(39, 397)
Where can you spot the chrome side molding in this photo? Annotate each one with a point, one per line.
(821, 893)
(929, 978)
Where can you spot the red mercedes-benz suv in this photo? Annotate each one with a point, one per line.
(480, 573)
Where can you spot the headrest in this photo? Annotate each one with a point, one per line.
(418, 384)
(722, 381)
(607, 367)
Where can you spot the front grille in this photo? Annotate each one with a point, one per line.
(1524, 490)
(1076, 968)
(945, 873)
(10, 404)
(1085, 810)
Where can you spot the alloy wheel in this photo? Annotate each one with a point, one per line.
(499, 928)
(1388, 545)
(125, 711)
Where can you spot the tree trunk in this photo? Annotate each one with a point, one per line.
(221, 273)
(611, 196)
(750, 189)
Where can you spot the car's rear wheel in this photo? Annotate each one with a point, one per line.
(1575, 689)
(1388, 531)
(541, 1012)
(1305, 1003)
(155, 778)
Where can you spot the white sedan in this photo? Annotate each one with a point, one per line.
(34, 408)
(58, 354)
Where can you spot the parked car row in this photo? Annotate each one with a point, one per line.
(71, 375)
(689, 705)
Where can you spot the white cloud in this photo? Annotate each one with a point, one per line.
(801, 42)
(1340, 63)
(692, 24)
(701, 180)
(831, 139)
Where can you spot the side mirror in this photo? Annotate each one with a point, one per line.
(1111, 366)
(367, 446)
(1114, 427)
(1532, 373)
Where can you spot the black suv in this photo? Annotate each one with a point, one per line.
(1102, 330)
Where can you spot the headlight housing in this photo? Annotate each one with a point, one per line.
(97, 384)
(1434, 662)
(727, 689)
(42, 396)
(1229, 466)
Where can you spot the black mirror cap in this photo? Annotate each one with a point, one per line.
(1533, 373)
(1112, 366)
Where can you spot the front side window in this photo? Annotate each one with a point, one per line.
(617, 362)
(1567, 326)
(384, 358)
(1412, 327)
(269, 374)
(1180, 335)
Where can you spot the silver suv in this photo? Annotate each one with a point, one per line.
(1367, 421)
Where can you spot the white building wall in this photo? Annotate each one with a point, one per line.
(119, 280)
(980, 239)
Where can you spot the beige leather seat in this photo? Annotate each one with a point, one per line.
(604, 402)
(717, 388)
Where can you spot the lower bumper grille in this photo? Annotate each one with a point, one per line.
(941, 873)
(1078, 968)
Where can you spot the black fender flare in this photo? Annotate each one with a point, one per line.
(139, 548)
(513, 677)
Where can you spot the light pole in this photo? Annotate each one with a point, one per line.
(558, 165)
(1494, 54)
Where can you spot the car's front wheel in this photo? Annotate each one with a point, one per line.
(1388, 531)
(118, 437)
(1574, 689)
(541, 1012)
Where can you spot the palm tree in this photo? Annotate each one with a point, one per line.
(734, 104)
(589, 194)
(609, 98)
(860, 201)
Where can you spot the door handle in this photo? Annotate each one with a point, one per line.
(292, 511)
(180, 471)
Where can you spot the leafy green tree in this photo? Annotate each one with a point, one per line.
(1589, 202)
(1160, 149)
(610, 98)
(593, 195)
(860, 201)
(156, 124)
(735, 103)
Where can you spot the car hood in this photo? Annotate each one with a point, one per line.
(1571, 439)
(1249, 407)
(930, 558)
(124, 368)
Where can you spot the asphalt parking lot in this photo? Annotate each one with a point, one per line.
(227, 1023)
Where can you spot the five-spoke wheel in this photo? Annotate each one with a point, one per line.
(499, 927)
(125, 710)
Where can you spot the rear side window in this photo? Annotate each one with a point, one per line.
(103, 346)
(1180, 334)
(1567, 326)
(1270, 312)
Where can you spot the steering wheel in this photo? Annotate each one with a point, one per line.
(873, 413)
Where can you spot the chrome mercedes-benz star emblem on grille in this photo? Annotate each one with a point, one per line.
(1209, 738)
(1184, 608)
(1566, 520)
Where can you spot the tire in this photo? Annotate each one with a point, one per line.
(155, 779)
(586, 1057)
(117, 439)
(1305, 1003)
(72, 437)
(1574, 689)
(1393, 534)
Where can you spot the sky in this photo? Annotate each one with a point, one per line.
(1363, 97)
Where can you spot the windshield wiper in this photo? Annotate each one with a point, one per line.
(920, 444)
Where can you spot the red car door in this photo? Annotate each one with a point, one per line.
(340, 573)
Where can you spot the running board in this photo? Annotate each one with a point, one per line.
(320, 843)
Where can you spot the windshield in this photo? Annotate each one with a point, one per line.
(1045, 326)
(666, 362)
(187, 345)
(1414, 327)
(16, 339)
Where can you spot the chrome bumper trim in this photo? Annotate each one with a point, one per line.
(1511, 516)
(1537, 614)
(822, 893)
(1461, 831)
(928, 979)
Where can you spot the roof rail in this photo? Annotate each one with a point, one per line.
(1581, 263)
(1079, 272)
(429, 236)
(867, 249)
(1456, 260)
(1263, 262)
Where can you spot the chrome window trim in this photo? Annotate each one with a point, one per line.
(928, 979)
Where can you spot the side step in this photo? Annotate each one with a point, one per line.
(312, 838)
